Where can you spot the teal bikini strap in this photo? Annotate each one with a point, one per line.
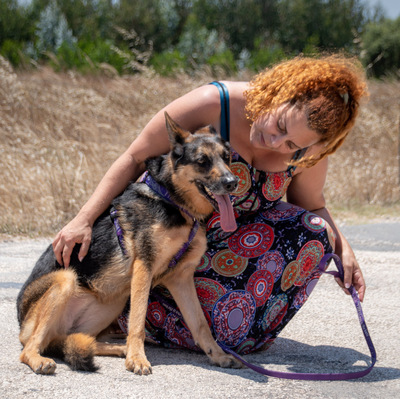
(298, 155)
(224, 97)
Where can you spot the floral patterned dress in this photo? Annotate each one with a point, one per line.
(251, 282)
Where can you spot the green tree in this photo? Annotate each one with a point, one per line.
(16, 31)
(152, 20)
(324, 24)
(381, 47)
(53, 30)
(199, 44)
(238, 22)
(86, 18)
(14, 23)
(89, 18)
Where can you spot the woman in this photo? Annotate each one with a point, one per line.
(282, 126)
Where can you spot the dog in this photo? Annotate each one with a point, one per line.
(134, 247)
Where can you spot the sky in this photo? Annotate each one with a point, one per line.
(391, 7)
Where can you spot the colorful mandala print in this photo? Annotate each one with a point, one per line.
(251, 282)
(228, 264)
(218, 237)
(313, 222)
(242, 172)
(276, 185)
(331, 236)
(246, 346)
(274, 262)
(178, 333)
(156, 314)
(252, 240)
(232, 317)
(252, 203)
(304, 292)
(290, 275)
(309, 257)
(275, 312)
(205, 263)
(208, 291)
(260, 285)
(282, 211)
(213, 222)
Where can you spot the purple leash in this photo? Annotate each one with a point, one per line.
(321, 376)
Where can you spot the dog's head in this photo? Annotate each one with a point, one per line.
(201, 164)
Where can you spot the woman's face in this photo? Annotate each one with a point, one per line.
(283, 130)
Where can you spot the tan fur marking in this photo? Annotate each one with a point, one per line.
(64, 305)
(41, 323)
(119, 274)
(136, 360)
(198, 205)
(110, 349)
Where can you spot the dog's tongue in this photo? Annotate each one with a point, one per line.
(227, 216)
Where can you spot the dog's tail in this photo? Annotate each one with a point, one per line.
(76, 349)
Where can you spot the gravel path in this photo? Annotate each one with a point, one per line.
(325, 336)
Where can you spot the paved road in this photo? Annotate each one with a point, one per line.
(324, 337)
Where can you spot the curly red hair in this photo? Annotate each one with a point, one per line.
(328, 89)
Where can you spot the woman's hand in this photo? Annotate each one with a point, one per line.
(77, 231)
(352, 274)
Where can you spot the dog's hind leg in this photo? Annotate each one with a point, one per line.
(136, 360)
(110, 349)
(42, 324)
(183, 290)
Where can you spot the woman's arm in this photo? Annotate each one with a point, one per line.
(352, 271)
(79, 229)
(193, 110)
(306, 190)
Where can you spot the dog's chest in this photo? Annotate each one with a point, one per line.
(113, 282)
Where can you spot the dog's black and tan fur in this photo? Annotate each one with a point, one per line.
(62, 311)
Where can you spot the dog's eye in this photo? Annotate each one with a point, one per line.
(203, 161)
(226, 157)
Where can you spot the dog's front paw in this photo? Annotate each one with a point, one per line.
(138, 365)
(39, 364)
(45, 366)
(226, 361)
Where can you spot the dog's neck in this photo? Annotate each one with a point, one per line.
(160, 190)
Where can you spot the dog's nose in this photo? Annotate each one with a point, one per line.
(230, 183)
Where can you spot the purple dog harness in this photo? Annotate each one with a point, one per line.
(164, 194)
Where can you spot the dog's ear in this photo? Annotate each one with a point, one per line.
(177, 135)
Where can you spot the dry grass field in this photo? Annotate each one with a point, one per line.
(60, 133)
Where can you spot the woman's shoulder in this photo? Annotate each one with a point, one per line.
(235, 87)
(196, 108)
(210, 91)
